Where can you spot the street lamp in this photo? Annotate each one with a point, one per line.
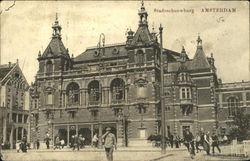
(163, 123)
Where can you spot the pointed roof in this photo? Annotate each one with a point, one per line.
(142, 36)
(200, 61)
(55, 48)
(5, 70)
(8, 71)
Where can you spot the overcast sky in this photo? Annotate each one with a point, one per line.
(26, 29)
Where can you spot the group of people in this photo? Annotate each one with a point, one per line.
(204, 139)
(77, 142)
(22, 145)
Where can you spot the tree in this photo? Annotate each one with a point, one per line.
(240, 126)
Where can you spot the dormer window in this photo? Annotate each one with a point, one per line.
(183, 77)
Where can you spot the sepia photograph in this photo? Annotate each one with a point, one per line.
(124, 80)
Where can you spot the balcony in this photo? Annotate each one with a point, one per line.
(117, 102)
(94, 104)
(186, 101)
(72, 107)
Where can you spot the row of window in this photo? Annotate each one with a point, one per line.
(19, 118)
(94, 92)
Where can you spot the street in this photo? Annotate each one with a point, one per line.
(122, 154)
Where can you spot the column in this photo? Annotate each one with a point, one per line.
(53, 138)
(23, 119)
(17, 117)
(22, 132)
(92, 133)
(109, 96)
(76, 129)
(11, 138)
(4, 129)
(87, 98)
(80, 97)
(68, 135)
(100, 135)
(244, 98)
(126, 94)
(17, 130)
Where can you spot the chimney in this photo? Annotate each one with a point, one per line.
(9, 64)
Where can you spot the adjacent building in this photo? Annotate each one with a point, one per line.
(14, 105)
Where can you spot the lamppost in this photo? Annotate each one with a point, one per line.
(163, 123)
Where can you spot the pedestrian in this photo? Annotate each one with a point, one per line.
(18, 145)
(171, 139)
(24, 144)
(215, 142)
(72, 142)
(76, 143)
(197, 143)
(207, 143)
(57, 143)
(81, 138)
(188, 138)
(225, 139)
(95, 140)
(37, 144)
(62, 143)
(176, 141)
(47, 139)
(109, 143)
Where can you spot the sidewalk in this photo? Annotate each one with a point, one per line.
(90, 149)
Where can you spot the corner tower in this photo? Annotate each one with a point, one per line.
(56, 57)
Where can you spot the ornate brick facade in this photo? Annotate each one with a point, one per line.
(118, 86)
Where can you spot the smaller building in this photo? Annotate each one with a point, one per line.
(231, 96)
(14, 105)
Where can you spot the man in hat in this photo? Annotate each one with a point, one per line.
(109, 143)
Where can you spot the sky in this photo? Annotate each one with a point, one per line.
(26, 29)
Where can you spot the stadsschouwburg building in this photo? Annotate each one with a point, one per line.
(118, 86)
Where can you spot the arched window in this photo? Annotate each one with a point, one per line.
(49, 67)
(233, 104)
(73, 94)
(118, 89)
(140, 57)
(94, 92)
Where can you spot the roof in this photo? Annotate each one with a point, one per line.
(110, 51)
(175, 66)
(142, 35)
(200, 61)
(55, 48)
(5, 69)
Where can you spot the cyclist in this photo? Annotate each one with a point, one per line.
(189, 142)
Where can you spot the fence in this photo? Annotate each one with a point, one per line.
(240, 149)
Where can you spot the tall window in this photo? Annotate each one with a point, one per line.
(73, 94)
(185, 93)
(49, 98)
(233, 104)
(140, 57)
(94, 92)
(118, 89)
(49, 67)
